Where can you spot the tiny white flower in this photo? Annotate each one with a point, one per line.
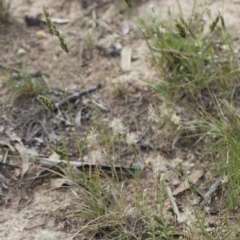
(117, 126)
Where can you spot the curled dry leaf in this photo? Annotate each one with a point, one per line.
(25, 159)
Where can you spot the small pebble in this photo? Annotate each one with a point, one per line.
(21, 52)
(41, 34)
(117, 46)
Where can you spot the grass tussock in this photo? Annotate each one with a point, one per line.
(201, 74)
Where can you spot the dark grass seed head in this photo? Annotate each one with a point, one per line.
(47, 103)
(222, 22)
(48, 20)
(214, 24)
(181, 29)
(54, 31)
(63, 45)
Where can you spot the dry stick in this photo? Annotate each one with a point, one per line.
(2, 65)
(49, 163)
(210, 192)
(75, 96)
(174, 205)
(8, 165)
(127, 171)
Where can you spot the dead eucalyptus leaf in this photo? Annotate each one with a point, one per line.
(194, 177)
(174, 204)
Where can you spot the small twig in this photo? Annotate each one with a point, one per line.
(9, 165)
(127, 171)
(2, 65)
(210, 192)
(174, 205)
(75, 96)
(51, 162)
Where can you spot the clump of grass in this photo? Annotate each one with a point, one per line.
(196, 61)
(26, 84)
(199, 65)
(159, 223)
(119, 90)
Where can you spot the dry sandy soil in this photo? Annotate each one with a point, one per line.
(31, 48)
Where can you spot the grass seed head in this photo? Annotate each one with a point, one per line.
(117, 126)
(152, 116)
(96, 156)
(214, 24)
(132, 140)
(222, 22)
(92, 136)
(47, 103)
(48, 20)
(181, 29)
(54, 31)
(63, 44)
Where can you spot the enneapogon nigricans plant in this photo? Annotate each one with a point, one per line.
(54, 31)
